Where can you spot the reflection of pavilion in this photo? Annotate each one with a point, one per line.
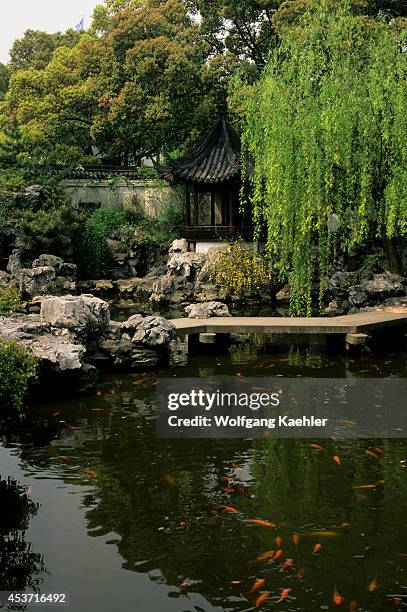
(211, 175)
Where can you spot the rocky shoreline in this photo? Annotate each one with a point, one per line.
(73, 337)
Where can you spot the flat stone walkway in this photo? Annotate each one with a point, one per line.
(362, 322)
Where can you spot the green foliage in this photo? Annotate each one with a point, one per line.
(238, 268)
(35, 48)
(51, 229)
(326, 128)
(4, 79)
(95, 254)
(18, 367)
(130, 228)
(10, 300)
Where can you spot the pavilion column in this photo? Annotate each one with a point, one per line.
(188, 210)
(196, 218)
(231, 209)
(213, 220)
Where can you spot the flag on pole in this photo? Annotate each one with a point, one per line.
(80, 26)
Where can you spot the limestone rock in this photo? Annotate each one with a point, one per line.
(385, 285)
(179, 246)
(48, 260)
(154, 331)
(24, 327)
(206, 310)
(85, 315)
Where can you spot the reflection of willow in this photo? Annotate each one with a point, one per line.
(140, 484)
(19, 565)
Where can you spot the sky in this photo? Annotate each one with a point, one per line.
(17, 16)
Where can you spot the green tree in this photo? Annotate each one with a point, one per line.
(326, 128)
(35, 48)
(150, 78)
(4, 79)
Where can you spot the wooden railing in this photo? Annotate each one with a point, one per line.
(217, 232)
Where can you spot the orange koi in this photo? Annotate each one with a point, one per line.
(317, 548)
(337, 598)
(337, 459)
(262, 598)
(296, 539)
(371, 453)
(277, 554)
(366, 486)
(372, 585)
(278, 541)
(258, 584)
(283, 595)
(260, 522)
(229, 509)
(318, 447)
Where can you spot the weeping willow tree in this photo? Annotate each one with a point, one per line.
(326, 128)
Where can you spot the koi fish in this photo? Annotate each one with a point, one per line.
(229, 509)
(278, 541)
(337, 459)
(366, 486)
(296, 539)
(289, 563)
(371, 453)
(283, 595)
(318, 447)
(372, 585)
(278, 554)
(262, 598)
(317, 548)
(258, 584)
(260, 522)
(337, 598)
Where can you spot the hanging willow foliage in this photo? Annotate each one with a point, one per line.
(326, 128)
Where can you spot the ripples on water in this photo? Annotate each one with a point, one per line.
(123, 520)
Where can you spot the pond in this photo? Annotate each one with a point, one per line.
(121, 520)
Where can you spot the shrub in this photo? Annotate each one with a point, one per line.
(10, 300)
(50, 230)
(238, 268)
(95, 254)
(18, 367)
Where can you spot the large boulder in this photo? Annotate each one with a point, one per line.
(384, 285)
(83, 315)
(206, 310)
(187, 264)
(154, 332)
(179, 246)
(23, 328)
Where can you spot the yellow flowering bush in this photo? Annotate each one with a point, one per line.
(238, 268)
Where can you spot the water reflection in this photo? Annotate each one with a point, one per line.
(176, 510)
(20, 566)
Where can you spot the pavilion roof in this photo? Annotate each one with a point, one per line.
(215, 159)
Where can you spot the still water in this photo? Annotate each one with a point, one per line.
(120, 520)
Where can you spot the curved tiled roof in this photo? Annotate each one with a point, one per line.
(216, 159)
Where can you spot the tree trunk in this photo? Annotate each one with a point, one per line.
(389, 245)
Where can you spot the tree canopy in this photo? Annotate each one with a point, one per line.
(326, 129)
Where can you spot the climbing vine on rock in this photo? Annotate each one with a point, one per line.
(326, 128)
